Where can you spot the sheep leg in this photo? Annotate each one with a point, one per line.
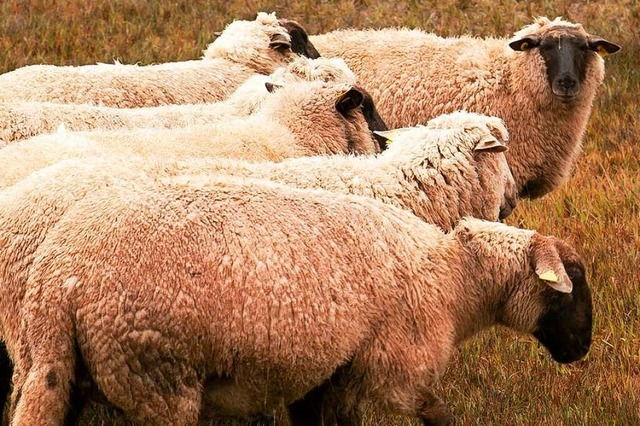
(44, 397)
(325, 405)
(6, 371)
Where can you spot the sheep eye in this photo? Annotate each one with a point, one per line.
(573, 271)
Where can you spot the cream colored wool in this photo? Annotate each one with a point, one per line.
(415, 76)
(411, 174)
(169, 290)
(26, 119)
(433, 171)
(297, 120)
(242, 50)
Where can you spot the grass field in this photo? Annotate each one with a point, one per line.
(498, 378)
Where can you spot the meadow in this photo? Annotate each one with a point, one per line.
(498, 378)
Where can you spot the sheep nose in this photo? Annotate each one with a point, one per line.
(567, 82)
(507, 207)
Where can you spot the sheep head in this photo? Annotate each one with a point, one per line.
(564, 327)
(537, 282)
(263, 44)
(567, 50)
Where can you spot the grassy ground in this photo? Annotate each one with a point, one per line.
(497, 378)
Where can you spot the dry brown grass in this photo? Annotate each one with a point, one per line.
(497, 378)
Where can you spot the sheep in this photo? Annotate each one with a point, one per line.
(26, 119)
(303, 118)
(441, 172)
(243, 49)
(405, 175)
(246, 293)
(410, 174)
(541, 82)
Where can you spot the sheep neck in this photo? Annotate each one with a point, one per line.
(487, 275)
(538, 155)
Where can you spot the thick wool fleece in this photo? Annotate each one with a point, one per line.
(240, 52)
(23, 120)
(297, 120)
(415, 76)
(432, 171)
(171, 290)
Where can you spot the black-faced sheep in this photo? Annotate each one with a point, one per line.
(541, 83)
(174, 299)
(300, 119)
(451, 168)
(23, 119)
(243, 49)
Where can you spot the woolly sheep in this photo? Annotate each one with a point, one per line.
(543, 93)
(441, 172)
(410, 174)
(243, 49)
(237, 322)
(300, 119)
(22, 120)
(334, 132)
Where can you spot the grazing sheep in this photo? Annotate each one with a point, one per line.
(248, 293)
(410, 174)
(243, 49)
(441, 172)
(541, 83)
(300, 119)
(22, 120)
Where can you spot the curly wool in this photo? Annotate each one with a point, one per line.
(415, 76)
(432, 171)
(297, 120)
(120, 275)
(23, 120)
(243, 51)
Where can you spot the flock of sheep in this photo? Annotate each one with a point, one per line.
(209, 239)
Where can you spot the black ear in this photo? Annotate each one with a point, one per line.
(602, 46)
(300, 43)
(280, 41)
(349, 100)
(525, 43)
(272, 87)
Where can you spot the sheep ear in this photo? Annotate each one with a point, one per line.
(217, 34)
(271, 87)
(391, 135)
(300, 43)
(548, 265)
(602, 47)
(490, 144)
(349, 100)
(525, 43)
(280, 41)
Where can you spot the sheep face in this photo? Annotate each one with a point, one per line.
(554, 301)
(497, 182)
(351, 105)
(373, 119)
(564, 328)
(264, 44)
(325, 116)
(568, 52)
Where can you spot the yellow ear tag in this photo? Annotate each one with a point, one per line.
(602, 52)
(549, 276)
